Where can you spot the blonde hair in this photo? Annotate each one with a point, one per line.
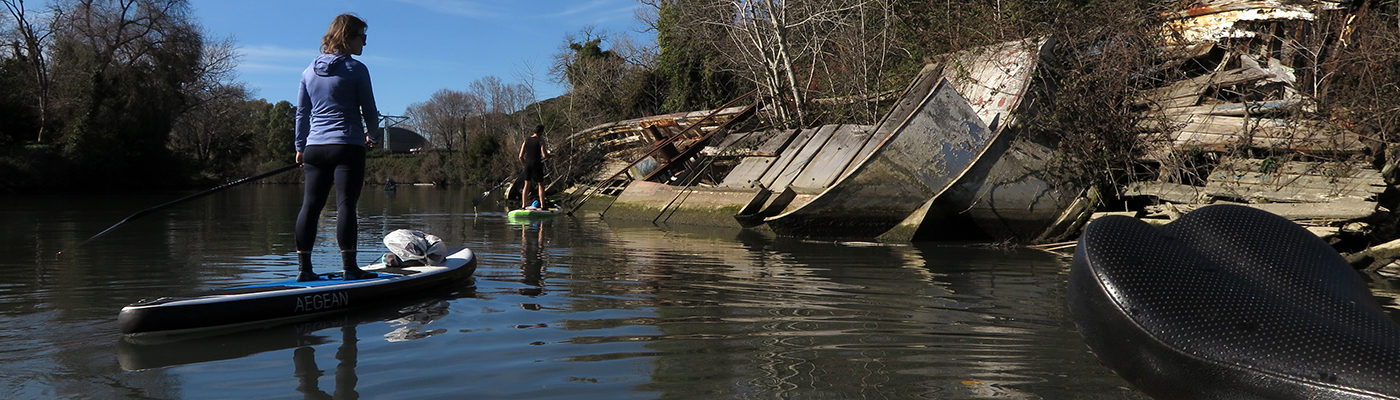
(344, 28)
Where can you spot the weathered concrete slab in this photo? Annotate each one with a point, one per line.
(994, 78)
(908, 106)
(1011, 193)
(648, 201)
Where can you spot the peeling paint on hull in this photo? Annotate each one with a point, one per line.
(933, 147)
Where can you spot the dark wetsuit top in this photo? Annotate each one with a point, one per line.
(534, 161)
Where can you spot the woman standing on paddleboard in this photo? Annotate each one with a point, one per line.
(336, 122)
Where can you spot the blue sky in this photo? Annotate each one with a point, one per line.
(415, 47)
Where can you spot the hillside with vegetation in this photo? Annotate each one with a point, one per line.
(129, 94)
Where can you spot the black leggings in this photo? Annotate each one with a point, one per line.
(323, 165)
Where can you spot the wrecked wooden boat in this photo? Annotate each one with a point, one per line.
(1013, 192)
(923, 153)
(1234, 128)
(627, 144)
(678, 156)
(948, 134)
(741, 197)
(1002, 189)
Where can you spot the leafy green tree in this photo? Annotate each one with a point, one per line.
(480, 157)
(689, 73)
(119, 67)
(278, 126)
(21, 122)
(595, 75)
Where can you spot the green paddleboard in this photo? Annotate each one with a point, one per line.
(523, 213)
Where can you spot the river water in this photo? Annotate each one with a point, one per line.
(569, 307)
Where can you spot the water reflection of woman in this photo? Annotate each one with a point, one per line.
(531, 266)
(307, 374)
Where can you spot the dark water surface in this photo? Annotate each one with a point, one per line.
(570, 307)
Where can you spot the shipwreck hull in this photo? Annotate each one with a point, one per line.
(948, 162)
(914, 164)
(1010, 192)
(1017, 197)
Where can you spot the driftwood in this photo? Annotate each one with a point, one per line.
(1375, 257)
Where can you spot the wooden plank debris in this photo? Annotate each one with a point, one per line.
(1339, 210)
(1221, 133)
(804, 156)
(752, 168)
(1187, 93)
(1257, 180)
(1254, 108)
(1166, 191)
(1298, 190)
(834, 157)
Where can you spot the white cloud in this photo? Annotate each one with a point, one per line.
(273, 59)
(474, 9)
(268, 51)
(596, 9)
(600, 13)
(261, 67)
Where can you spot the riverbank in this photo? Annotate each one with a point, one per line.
(40, 169)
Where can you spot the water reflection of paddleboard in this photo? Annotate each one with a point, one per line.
(288, 300)
(135, 353)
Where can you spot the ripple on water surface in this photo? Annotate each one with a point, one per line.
(569, 307)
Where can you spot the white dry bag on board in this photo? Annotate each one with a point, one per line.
(410, 247)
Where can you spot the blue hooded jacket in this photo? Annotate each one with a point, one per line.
(334, 102)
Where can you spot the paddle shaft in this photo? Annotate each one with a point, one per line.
(477, 201)
(142, 213)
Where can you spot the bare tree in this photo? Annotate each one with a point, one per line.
(443, 118)
(121, 66)
(218, 133)
(600, 80)
(216, 128)
(796, 51)
(526, 75)
(33, 38)
(857, 66)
